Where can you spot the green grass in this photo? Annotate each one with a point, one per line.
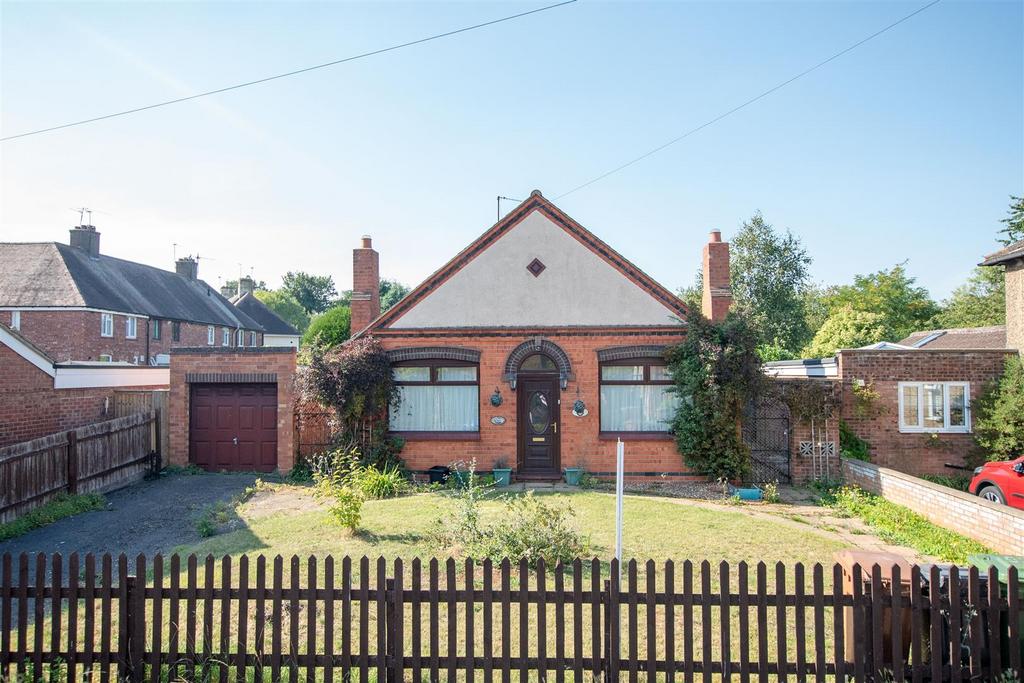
(902, 526)
(62, 506)
(399, 527)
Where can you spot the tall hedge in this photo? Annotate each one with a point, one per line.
(999, 414)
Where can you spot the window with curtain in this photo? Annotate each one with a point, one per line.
(636, 396)
(436, 396)
(935, 406)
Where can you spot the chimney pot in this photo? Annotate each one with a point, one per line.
(716, 236)
(367, 242)
(246, 285)
(86, 237)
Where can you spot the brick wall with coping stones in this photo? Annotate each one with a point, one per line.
(277, 360)
(30, 407)
(912, 452)
(997, 526)
(75, 335)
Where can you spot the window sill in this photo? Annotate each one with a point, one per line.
(918, 430)
(636, 436)
(437, 436)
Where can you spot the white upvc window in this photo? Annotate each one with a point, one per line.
(211, 335)
(225, 337)
(240, 339)
(935, 406)
(131, 327)
(252, 339)
(106, 358)
(106, 325)
(15, 320)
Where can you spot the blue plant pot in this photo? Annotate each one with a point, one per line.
(750, 494)
(502, 476)
(573, 475)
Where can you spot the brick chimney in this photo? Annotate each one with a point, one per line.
(86, 237)
(717, 297)
(365, 285)
(187, 267)
(246, 285)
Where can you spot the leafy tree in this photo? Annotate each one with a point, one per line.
(979, 302)
(330, 328)
(692, 296)
(769, 279)
(999, 414)
(391, 292)
(285, 305)
(313, 292)
(891, 294)
(1014, 230)
(846, 328)
(717, 371)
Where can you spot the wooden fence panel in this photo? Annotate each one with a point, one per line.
(132, 401)
(142, 632)
(93, 458)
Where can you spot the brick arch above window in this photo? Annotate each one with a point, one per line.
(538, 345)
(434, 353)
(634, 351)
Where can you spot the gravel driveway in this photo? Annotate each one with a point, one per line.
(151, 517)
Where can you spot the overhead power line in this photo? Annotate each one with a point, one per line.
(290, 73)
(749, 102)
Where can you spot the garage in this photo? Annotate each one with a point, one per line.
(233, 427)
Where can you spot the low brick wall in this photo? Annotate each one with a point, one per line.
(997, 526)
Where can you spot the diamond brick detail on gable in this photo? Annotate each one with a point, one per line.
(536, 267)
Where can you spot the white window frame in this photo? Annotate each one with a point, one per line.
(919, 428)
(240, 338)
(15, 320)
(106, 324)
(131, 327)
(252, 339)
(225, 336)
(211, 335)
(106, 358)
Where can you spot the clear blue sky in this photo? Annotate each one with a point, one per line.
(906, 148)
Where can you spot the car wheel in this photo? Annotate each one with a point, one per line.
(992, 494)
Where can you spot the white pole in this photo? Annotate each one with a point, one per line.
(620, 452)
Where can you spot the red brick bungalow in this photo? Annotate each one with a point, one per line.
(538, 346)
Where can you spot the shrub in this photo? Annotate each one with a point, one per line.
(999, 414)
(330, 328)
(771, 492)
(532, 529)
(372, 482)
(461, 529)
(851, 445)
(347, 508)
(960, 482)
(901, 526)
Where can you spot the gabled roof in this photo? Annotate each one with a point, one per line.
(271, 322)
(535, 202)
(13, 340)
(1008, 253)
(59, 275)
(993, 337)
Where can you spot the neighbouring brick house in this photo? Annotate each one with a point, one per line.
(276, 332)
(539, 346)
(77, 304)
(1011, 260)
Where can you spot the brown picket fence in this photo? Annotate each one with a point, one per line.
(361, 620)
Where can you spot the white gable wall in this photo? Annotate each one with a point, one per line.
(577, 287)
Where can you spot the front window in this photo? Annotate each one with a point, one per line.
(442, 396)
(225, 337)
(211, 335)
(106, 325)
(131, 327)
(636, 396)
(176, 331)
(155, 327)
(252, 339)
(935, 406)
(240, 338)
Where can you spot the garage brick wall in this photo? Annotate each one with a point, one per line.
(279, 361)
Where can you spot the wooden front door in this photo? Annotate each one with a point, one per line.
(538, 423)
(233, 427)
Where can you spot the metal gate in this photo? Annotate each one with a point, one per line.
(766, 433)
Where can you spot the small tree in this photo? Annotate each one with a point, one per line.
(999, 414)
(329, 329)
(717, 372)
(286, 307)
(846, 329)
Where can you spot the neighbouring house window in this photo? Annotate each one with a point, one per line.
(15, 320)
(176, 331)
(106, 325)
(935, 406)
(155, 327)
(211, 335)
(252, 339)
(225, 337)
(106, 358)
(636, 396)
(131, 327)
(240, 338)
(436, 396)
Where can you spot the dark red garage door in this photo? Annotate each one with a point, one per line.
(234, 427)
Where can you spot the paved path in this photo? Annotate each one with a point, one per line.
(151, 517)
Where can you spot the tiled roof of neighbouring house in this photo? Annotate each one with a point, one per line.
(993, 337)
(59, 275)
(1008, 253)
(257, 310)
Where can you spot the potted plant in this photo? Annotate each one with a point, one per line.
(502, 472)
(573, 475)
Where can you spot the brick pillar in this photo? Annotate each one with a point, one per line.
(717, 297)
(365, 285)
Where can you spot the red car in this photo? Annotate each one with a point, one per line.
(1000, 482)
